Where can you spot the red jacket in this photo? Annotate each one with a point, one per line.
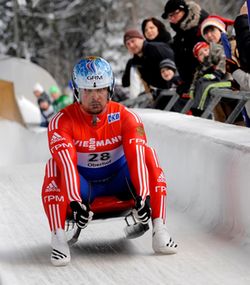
(98, 151)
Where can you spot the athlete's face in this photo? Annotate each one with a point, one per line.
(94, 101)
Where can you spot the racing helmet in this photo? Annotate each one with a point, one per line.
(92, 73)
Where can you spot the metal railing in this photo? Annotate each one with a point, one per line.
(215, 96)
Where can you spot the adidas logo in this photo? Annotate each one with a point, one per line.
(52, 187)
(161, 178)
(56, 138)
(56, 254)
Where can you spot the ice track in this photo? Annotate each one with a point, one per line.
(103, 255)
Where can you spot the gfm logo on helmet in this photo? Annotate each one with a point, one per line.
(95, 77)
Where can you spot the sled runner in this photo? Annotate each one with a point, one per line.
(112, 207)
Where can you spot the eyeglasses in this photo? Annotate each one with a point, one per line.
(173, 14)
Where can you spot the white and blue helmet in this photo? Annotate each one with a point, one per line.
(93, 73)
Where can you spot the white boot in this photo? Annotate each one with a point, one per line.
(161, 240)
(60, 254)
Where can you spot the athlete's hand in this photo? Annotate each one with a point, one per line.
(81, 214)
(142, 210)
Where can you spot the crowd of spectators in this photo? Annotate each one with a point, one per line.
(50, 104)
(206, 52)
(199, 52)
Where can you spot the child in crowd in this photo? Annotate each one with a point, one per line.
(47, 111)
(209, 74)
(170, 74)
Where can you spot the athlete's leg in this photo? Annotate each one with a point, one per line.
(158, 185)
(161, 240)
(55, 205)
(54, 196)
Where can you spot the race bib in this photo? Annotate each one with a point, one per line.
(99, 159)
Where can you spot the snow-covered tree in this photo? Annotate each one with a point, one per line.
(55, 34)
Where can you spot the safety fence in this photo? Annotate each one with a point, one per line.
(216, 95)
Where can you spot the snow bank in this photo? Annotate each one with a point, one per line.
(207, 166)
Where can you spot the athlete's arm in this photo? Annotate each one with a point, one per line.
(134, 143)
(63, 151)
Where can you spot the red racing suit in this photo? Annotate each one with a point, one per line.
(96, 151)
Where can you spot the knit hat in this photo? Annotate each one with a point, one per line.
(38, 87)
(54, 89)
(216, 21)
(199, 46)
(168, 63)
(173, 5)
(43, 99)
(130, 34)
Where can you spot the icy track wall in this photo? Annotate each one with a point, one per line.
(207, 165)
(19, 145)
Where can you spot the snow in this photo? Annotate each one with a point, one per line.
(103, 255)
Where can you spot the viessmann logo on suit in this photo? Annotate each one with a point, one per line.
(93, 144)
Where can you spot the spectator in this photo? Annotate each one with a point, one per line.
(41, 96)
(209, 74)
(131, 79)
(242, 31)
(155, 31)
(242, 74)
(47, 111)
(168, 70)
(39, 92)
(59, 101)
(170, 74)
(184, 19)
(147, 57)
(214, 29)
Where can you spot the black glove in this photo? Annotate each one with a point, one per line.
(81, 214)
(142, 210)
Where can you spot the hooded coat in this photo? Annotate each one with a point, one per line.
(187, 35)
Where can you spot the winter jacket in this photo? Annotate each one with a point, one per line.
(46, 116)
(126, 73)
(214, 65)
(62, 102)
(243, 41)
(148, 64)
(187, 35)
